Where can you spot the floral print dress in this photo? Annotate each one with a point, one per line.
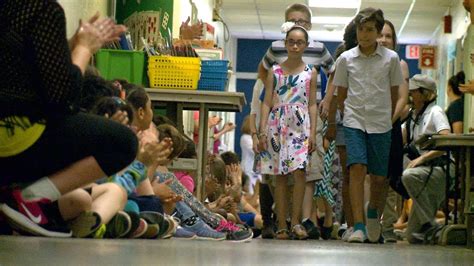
(288, 125)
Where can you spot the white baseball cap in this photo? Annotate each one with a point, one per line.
(422, 81)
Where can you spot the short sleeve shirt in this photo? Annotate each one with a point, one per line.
(455, 111)
(432, 121)
(369, 79)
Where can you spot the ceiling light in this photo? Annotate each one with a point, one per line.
(331, 20)
(335, 3)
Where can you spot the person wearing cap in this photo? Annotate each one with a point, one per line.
(424, 177)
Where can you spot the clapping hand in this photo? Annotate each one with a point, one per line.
(164, 192)
(120, 117)
(95, 32)
(467, 88)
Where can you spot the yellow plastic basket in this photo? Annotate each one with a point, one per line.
(174, 72)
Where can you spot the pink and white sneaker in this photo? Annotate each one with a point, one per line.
(234, 232)
(39, 217)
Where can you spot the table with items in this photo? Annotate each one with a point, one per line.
(459, 145)
(175, 101)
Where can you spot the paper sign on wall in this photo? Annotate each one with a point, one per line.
(428, 57)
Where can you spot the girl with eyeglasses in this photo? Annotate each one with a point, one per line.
(288, 128)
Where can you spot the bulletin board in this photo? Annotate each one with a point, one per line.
(125, 8)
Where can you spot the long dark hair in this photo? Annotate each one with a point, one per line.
(394, 34)
(454, 81)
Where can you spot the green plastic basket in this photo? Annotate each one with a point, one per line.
(122, 64)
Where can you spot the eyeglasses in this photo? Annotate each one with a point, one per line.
(291, 42)
(300, 22)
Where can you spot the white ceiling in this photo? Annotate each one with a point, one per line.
(261, 19)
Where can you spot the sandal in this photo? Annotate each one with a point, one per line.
(299, 232)
(282, 234)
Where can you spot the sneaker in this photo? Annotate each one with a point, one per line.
(234, 232)
(119, 226)
(345, 236)
(400, 233)
(100, 232)
(172, 226)
(85, 224)
(389, 236)
(342, 230)
(135, 219)
(311, 229)
(184, 234)
(427, 235)
(326, 232)
(166, 224)
(256, 232)
(268, 232)
(155, 222)
(151, 232)
(141, 229)
(373, 227)
(357, 236)
(298, 232)
(204, 231)
(39, 217)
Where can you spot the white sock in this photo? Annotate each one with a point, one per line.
(41, 189)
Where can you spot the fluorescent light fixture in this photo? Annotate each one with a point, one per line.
(331, 20)
(335, 3)
(406, 18)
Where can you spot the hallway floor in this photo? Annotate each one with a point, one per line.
(54, 251)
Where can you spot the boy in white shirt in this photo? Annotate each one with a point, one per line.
(367, 78)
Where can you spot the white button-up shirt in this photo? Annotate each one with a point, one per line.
(369, 79)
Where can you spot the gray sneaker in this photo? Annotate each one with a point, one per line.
(373, 226)
(390, 236)
(204, 231)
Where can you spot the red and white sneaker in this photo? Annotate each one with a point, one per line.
(39, 217)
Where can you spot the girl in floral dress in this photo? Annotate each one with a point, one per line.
(288, 128)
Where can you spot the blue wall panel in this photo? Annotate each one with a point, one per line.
(245, 86)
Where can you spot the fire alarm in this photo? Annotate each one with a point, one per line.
(448, 24)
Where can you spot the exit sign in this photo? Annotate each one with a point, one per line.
(412, 52)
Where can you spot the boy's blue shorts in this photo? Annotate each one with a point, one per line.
(371, 150)
(248, 218)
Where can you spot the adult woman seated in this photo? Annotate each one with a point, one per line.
(424, 177)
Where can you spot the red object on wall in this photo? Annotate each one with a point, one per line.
(448, 24)
(428, 57)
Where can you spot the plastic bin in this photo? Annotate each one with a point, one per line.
(214, 66)
(174, 72)
(213, 75)
(212, 84)
(122, 64)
